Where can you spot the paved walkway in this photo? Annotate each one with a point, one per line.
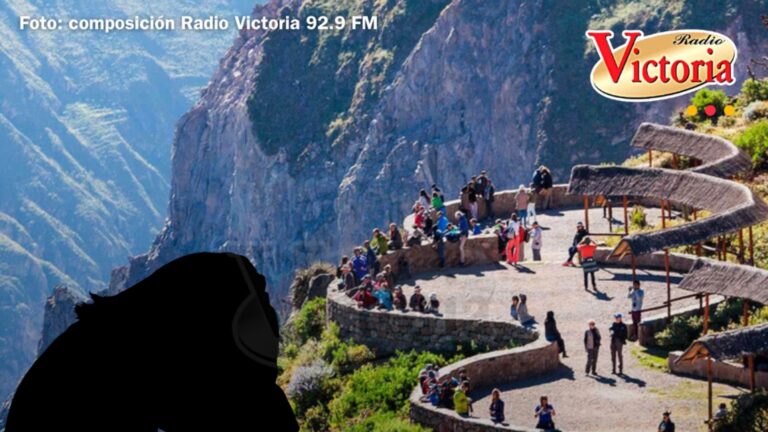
(583, 403)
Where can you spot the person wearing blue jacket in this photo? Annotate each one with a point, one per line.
(463, 234)
(359, 264)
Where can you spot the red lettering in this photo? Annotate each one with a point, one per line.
(695, 65)
(675, 71)
(605, 50)
(663, 69)
(646, 76)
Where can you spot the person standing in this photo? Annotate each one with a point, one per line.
(463, 235)
(666, 425)
(489, 196)
(636, 294)
(472, 201)
(618, 332)
(546, 187)
(592, 346)
(424, 200)
(359, 264)
(552, 334)
(370, 258)
(536, 241)
(497, 407)
(581, 232)
(513, 241)
(589, 266)
(545, 413)
(521, 204)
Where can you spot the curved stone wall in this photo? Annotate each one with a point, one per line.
(388, 331)
(487, 370)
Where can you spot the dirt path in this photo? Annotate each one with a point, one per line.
(584, 403)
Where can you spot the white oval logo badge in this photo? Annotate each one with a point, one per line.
(661, 65)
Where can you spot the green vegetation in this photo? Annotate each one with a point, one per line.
(682, 331)
(754, 90)
(311, 84)
(748, 413)
(637, 218)
(337, 386)
(754, 141)
(651, 357)
(706, 97)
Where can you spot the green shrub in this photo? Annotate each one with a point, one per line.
(705, 97)
(384, 388)
(638, 218)
(310, 386)
(307, 324)
(384, 422)
(343, 356)
(754, 141)
(754, 90)
(748, 413)
(679, 333)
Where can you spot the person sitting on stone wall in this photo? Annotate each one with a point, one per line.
(364, 297)
(437, 202)
(347, 279)
(379, 242)
(398, 299)
(344, 261)
(415, 237)
(461, 402)
(522, 312)
(446, 395)
(423, 200)
(417, 302)
(496, 409)
(388, 275)
(383, 295)
(419, 216)
(395, 238)
(434, 304)
(475, 227)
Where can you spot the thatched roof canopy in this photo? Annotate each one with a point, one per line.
(733, 205)
(731, 344)
(719, 156)
(715, 277)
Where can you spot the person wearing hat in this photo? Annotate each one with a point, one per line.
(581, 232)
(666, 425)
(592, 346)
(618, 331)
(536, 241)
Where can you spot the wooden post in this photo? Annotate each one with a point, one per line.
(706, 314)
(698, 245)
(741, 246)
(634, 268)
(626, 216)
(586, 212)
(745, 313)
(709, 391)
(674, 161)
(751, 364)
(751, 248)
(669, 285)
(650, 158)
(663, 216)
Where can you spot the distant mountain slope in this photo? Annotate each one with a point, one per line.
(86, 126)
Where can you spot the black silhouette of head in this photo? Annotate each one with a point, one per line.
(192, 347)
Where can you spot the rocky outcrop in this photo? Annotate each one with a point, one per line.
(304, 142)
(59, 314)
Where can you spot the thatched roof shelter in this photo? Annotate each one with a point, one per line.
(716, 277)
(720, 157)
(731, 344)
(733, 205)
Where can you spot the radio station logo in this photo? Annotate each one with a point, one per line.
(661, 65)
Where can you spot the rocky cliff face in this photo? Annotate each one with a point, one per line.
(86, 124)
(305, 141)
